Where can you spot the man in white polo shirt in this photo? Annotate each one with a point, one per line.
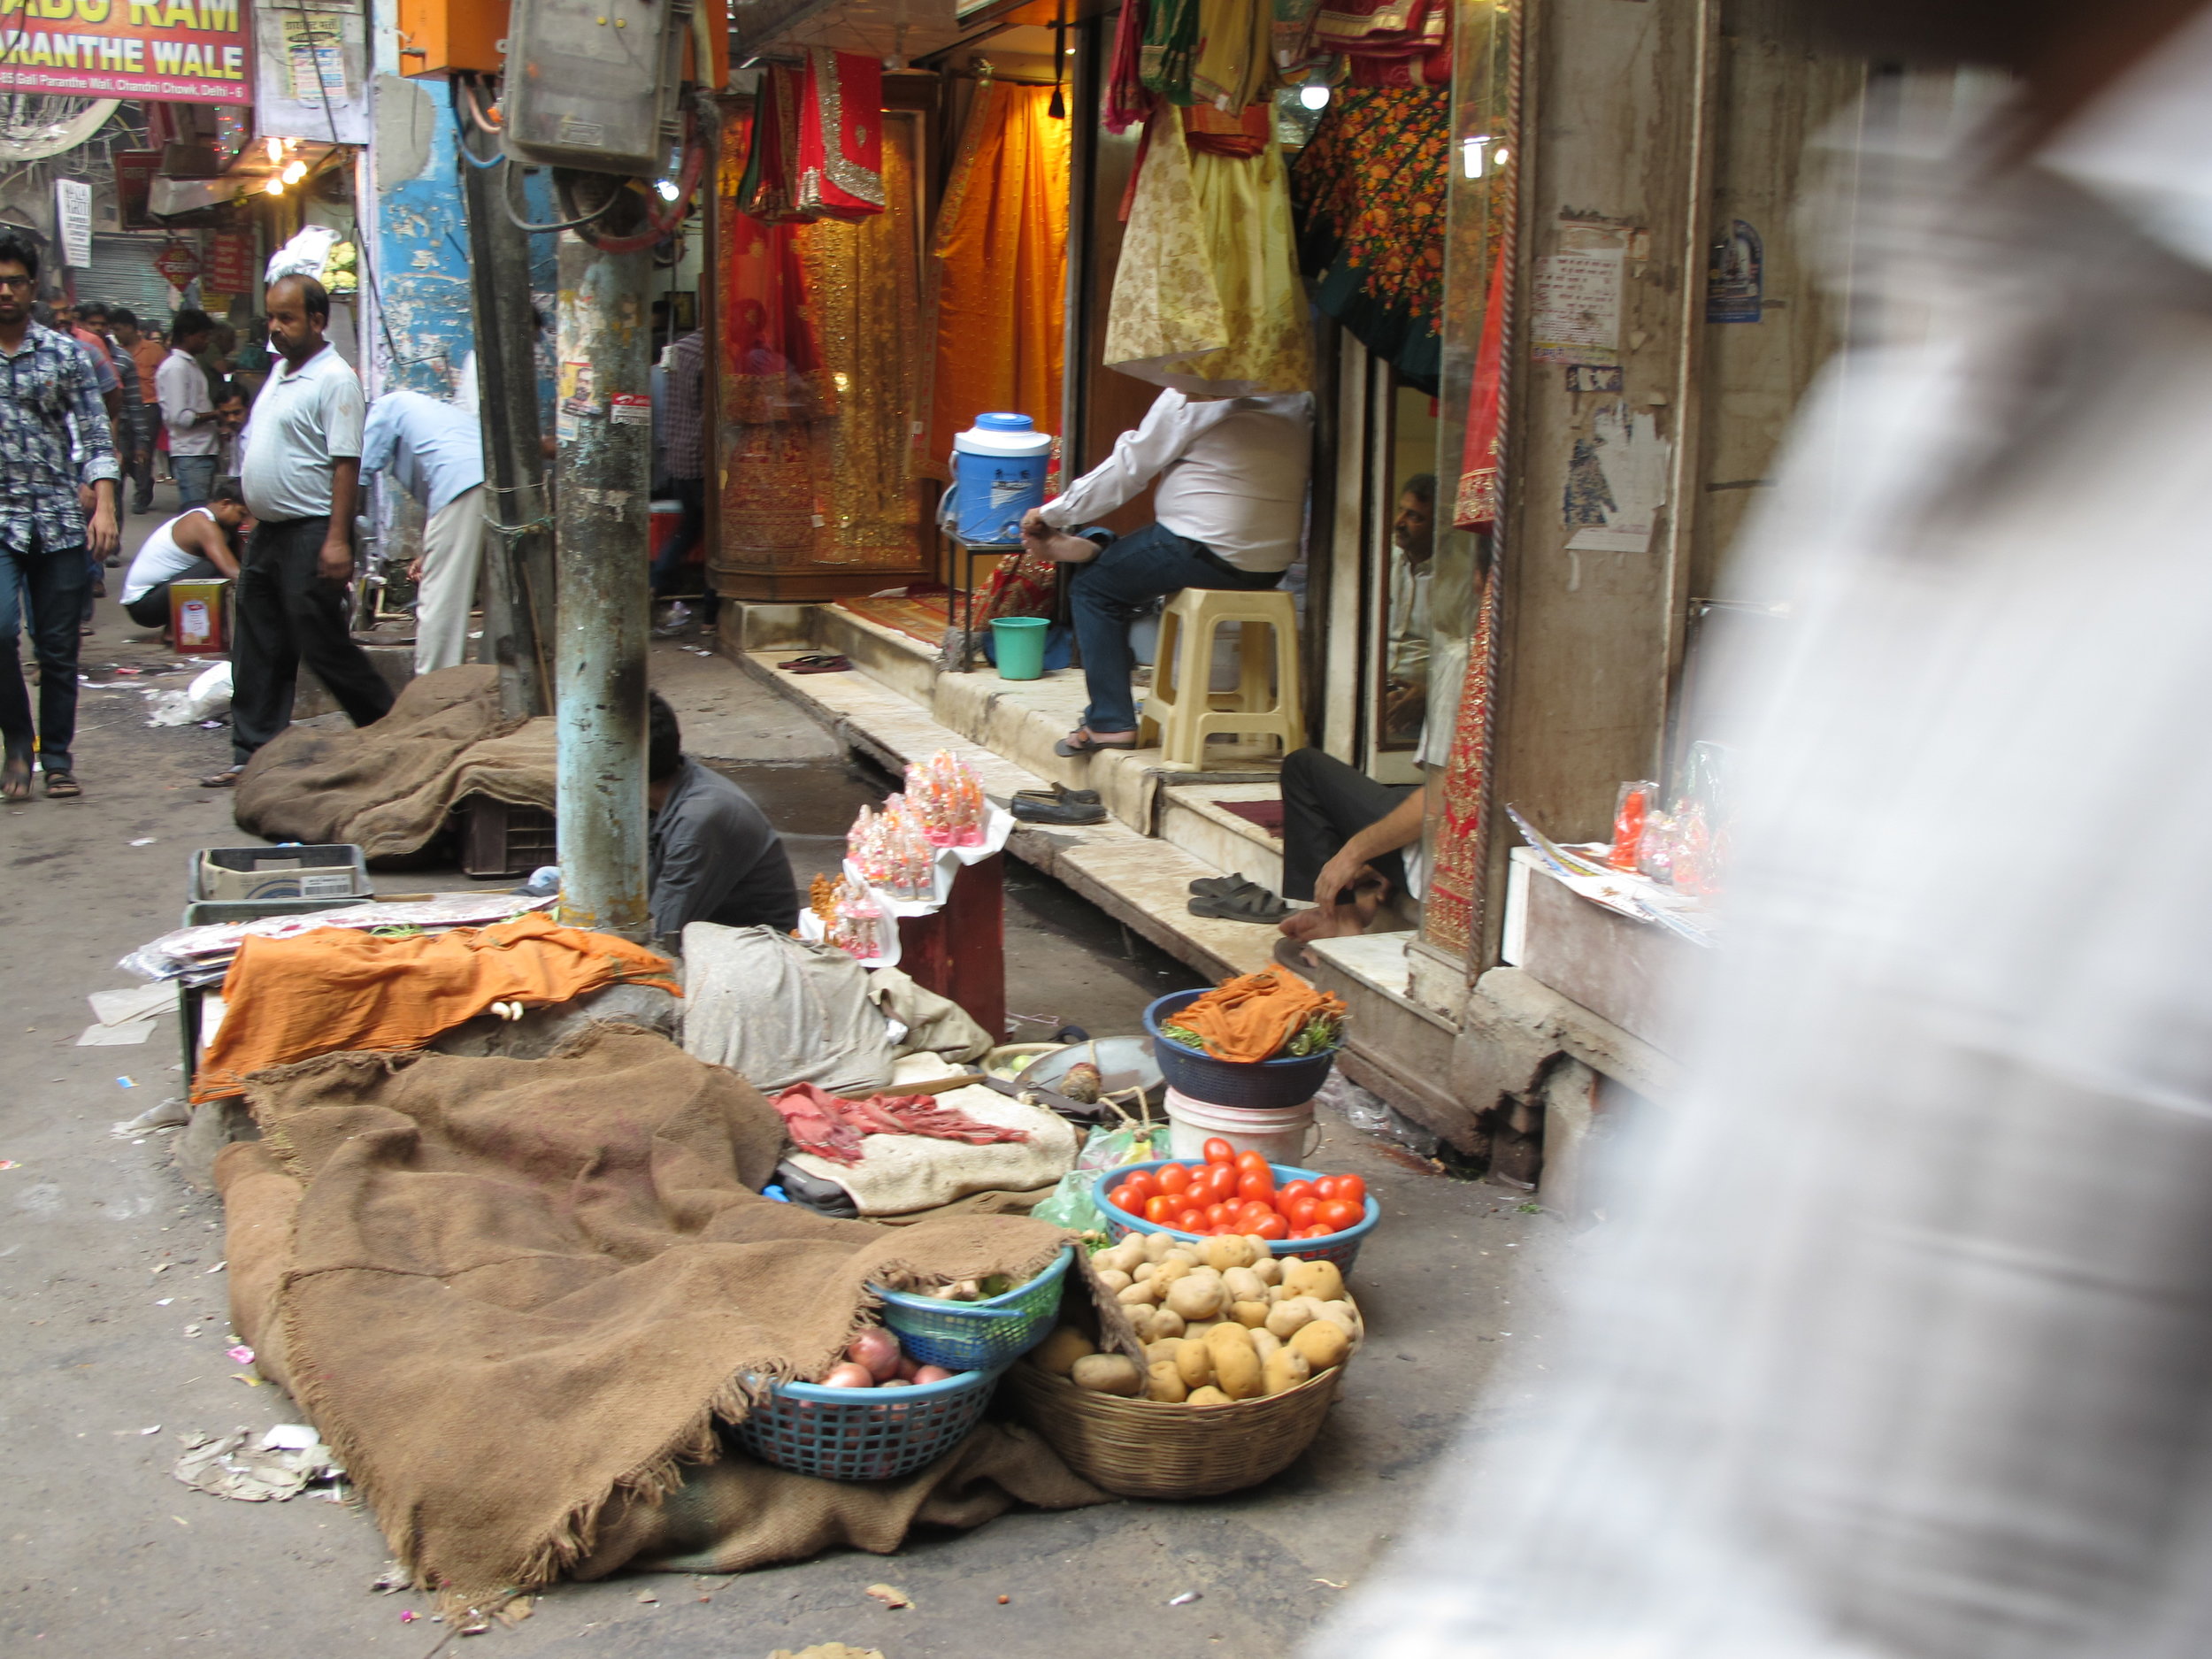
(302, 475)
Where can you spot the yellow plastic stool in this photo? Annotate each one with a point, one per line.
(1183, 709)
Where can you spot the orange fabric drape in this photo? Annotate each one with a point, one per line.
(1001, 250)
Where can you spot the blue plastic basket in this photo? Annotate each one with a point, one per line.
(1341, 1248)
(1257, 1085)
(977, 1335)
(864, 1433)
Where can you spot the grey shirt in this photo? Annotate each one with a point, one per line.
(713, 857)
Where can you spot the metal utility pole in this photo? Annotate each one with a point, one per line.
(518, 571)
(602, 497)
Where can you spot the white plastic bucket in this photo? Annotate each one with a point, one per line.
(999, 474)
(1280, 1136)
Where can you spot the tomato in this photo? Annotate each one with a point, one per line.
(1338, 1214)
(1215, 1214)
(1271, 1227)
(1121, 1198)
(1255, 1184)
(1253, 1209)
(1213, 1183)
(1189, 1218)
(1172, 1178)
(1316, 1231)
(1325, 1188)
(1352, 1190)
(1251, 1160)
(1219, 1151)
(1301, 1212)
(1141, 1183)
(1158, 1207)
(1294, 1191)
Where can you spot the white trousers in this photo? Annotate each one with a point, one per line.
(452, 559)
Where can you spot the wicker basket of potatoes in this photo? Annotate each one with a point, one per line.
(1211, 1368)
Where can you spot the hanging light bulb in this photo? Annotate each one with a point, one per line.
(1314, 95)
(1470, 156)
(668, 188)
(275, 149)
(275, 186)
(294, 172)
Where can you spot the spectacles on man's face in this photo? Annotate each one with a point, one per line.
(7, 281)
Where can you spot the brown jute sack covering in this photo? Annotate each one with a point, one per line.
(519, 1290)
(390, 787)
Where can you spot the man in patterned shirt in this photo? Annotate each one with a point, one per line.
(50, 406)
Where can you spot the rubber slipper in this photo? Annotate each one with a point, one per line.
(1216, 886)
(809, 662)
(61, 786)
(1069, 812)
(1059, 792)
(1083, 742)
(1254, 905)
(828, 666)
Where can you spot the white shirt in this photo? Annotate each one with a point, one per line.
(180, 384)
(435, 449)
(1232, 474)
(305, 419)
(160, 558)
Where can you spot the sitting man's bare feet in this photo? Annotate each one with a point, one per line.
(1353, 912)
(15, 777)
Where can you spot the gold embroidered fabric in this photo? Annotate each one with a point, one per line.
(1235, 65)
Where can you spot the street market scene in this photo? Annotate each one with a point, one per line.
(895, 829)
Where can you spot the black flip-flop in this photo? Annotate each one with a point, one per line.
(1063, 805)
(62, 785)
(825, 665)
(1058, 793)
(1255, 904)
(816, 660)
(1081, 741)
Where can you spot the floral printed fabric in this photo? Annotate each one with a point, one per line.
(1369, 192)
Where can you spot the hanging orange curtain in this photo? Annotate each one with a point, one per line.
(1002, 252)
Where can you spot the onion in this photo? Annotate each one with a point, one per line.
(877, 1349)
(932, 1373)
(908, 1366)
(848, 1375)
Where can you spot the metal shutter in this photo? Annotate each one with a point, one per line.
(122, 274)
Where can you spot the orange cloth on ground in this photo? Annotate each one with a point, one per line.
(338, 989)
(1250, 1017)
(1001, 253)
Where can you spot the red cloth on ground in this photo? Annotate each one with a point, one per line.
(832, 1127)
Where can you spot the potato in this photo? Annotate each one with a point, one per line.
(1285, 1319)
(1209, 1397)
(1317, 1279)
(1237, 1372)
(1195, 1298)
(1108, 1374)
(1228, 1337)
(1196, 1362)
(1158, 1245)
(1224, 1254)
(1125, 1257)
(1251, 1315)
(1163, 1382)
(1268, 1268)
(1164, 1349)
(1168, 1269)
(1284, 1370)
(1166, 1323)
(1115, 1280)
(1058, 1352)
(1244, 1285)
(1147, 1294)
(1197, 1329)
(1280, 1293)
(1340, 1313)
(1322, 1343)
(1141, 1321)
(1265, 1343)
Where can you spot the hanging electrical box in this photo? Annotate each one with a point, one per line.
(593, 84)
(445, 37)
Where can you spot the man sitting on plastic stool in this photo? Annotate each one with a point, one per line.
(1229, 510)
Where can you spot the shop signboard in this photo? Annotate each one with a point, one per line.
(73, 219)
(177, 262)
(171, 51)
(229, 262)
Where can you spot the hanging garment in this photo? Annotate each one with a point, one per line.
(1370, 191)
(1127, 102)
(1458, 848)
(1235, 63)
(1208, 131)
(840, 134)
(1291, 36)
(769, 189)
(1382, 28)
(1169, 50)
(1206, 295)
(1476, 507)
(999, 261)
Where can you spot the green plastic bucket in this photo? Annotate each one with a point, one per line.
(1020, 646)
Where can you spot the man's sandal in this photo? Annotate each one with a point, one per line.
(61, 786)
(1250, 903)
(222, 779)
(1083, 740)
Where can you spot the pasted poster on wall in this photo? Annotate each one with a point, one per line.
(1735, 277)
(173, 51)
(312, 72)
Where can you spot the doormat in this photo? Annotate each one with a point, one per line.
(923, 616)
(1267, 814)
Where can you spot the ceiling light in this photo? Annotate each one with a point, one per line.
(667, 189)
(274, 148)
(275, 186)
(1314, 97)
(295, 172)
(1470, 154)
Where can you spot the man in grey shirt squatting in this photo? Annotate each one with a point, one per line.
(712, 854)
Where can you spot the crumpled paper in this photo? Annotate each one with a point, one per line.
(287, 1459)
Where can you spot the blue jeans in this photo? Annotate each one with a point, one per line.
(195, 478)
(1106, 594)
(52, 583)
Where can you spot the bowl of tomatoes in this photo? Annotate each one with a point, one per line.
(1299, 1213)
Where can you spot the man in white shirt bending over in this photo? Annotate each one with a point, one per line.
(1229, 512)
(302, 474)
(437, 453)
(196, 545)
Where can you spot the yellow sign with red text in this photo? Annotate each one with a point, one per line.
(176, 51)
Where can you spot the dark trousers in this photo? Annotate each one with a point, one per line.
(668, 570)
(51, 584)
(150, 609)
(140, 473)
(1105, 595)
(1325, 803)
(285, 611)
(195, 479)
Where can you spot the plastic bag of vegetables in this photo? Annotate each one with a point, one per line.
(1069, 1204)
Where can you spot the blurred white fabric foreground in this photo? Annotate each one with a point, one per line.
(1906, 1348)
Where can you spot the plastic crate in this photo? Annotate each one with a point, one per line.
(501, 838)
(216, 878)
(1341, 1248)
(1260, 1085)
(977, 1335)
(864, 1434)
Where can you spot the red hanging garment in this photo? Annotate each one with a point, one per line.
(1127, 101)
(841, 135)
(1477, 507)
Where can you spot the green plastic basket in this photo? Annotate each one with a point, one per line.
(977, 1335)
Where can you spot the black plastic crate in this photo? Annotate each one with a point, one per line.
(501, 838)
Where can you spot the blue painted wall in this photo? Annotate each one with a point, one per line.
(422, 263)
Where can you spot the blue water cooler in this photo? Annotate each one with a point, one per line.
(998, 475)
